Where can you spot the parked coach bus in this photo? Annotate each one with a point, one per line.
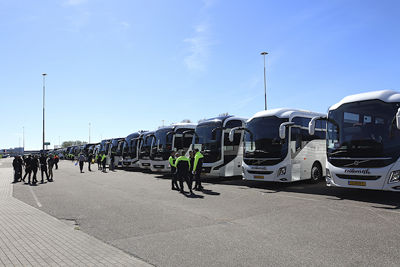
(145, 150)
(116, 149)
(363, 141)
(279, 148)
(222, 158)
(177, 137)
(130, 150)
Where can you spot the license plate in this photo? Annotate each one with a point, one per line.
(358, 183)
(258, 177)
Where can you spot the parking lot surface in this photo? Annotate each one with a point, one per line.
(231, 223)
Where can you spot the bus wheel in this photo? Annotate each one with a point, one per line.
(316, 173)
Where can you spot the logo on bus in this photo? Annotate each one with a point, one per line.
(358, 171)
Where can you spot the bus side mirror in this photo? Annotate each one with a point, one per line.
(232, 133)
(398, 119)
(282, 129)
(311, 125)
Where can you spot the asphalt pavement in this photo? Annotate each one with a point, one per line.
(231, 223)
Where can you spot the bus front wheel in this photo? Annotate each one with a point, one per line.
(316, 173)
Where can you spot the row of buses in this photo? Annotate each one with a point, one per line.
(357, 144)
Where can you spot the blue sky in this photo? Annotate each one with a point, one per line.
(127, 65)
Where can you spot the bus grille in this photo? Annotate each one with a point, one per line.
(358, 177)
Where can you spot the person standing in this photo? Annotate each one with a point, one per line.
(112, 161)
(56, 160)
(98, 159)
(43, 167)
(35, 166)
(191, 158)
(28, 168)
(198, 164)
(81, 160)
(104, 161)
(17, 165)
(171, 160)
(182, 165)
(51, 163)
(90, 158)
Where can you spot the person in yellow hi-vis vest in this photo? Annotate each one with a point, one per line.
(174, 183)
(103, 161)
(182, 165)
(198, 164)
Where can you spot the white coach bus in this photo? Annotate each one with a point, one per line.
(177, 137)
(222, 157)
(363, 141)
(145, 149)
(278, 146)
(130, 150)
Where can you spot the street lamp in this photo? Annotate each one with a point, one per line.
(44, 94)
(265, 80)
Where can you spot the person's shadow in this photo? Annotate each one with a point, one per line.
(193, 195)
(210, 192)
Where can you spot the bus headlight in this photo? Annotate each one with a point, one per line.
(394, 177)
(282, 171)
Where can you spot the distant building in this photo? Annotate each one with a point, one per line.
(12, 151)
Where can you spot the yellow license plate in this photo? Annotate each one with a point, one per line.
(258, 177)
(358, 183)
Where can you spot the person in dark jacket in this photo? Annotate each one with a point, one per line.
(28, 168)
(174, 183)
(182, 165)
(34, 166)
(43, 167)
(17, 165)
(191, 158)
(98, 158)
(112, 161)
(89, 160)
(56, 160)
(50, 163)
(81, 160)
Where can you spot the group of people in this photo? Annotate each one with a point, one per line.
(101, 160)
(186, 169)
(32, 163)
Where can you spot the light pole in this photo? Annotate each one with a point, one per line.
(265, 80)
(44, 94)
(23, 137)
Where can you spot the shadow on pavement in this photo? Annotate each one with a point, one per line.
(331, 193)
(188, 195)
(210, 192)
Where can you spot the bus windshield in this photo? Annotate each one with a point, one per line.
(265, 141)
(163, 142)
(147, 142)
(180, 142)
(365, 129)
(208, 139)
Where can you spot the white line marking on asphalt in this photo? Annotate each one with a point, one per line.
(35, 197)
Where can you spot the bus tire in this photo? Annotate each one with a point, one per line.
(316, 173)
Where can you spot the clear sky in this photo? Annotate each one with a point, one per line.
(126, 65)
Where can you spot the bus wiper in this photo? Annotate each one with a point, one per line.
(260, 151)
(336, 152)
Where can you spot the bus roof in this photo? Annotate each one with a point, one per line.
(383, 95)
(283, 113)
